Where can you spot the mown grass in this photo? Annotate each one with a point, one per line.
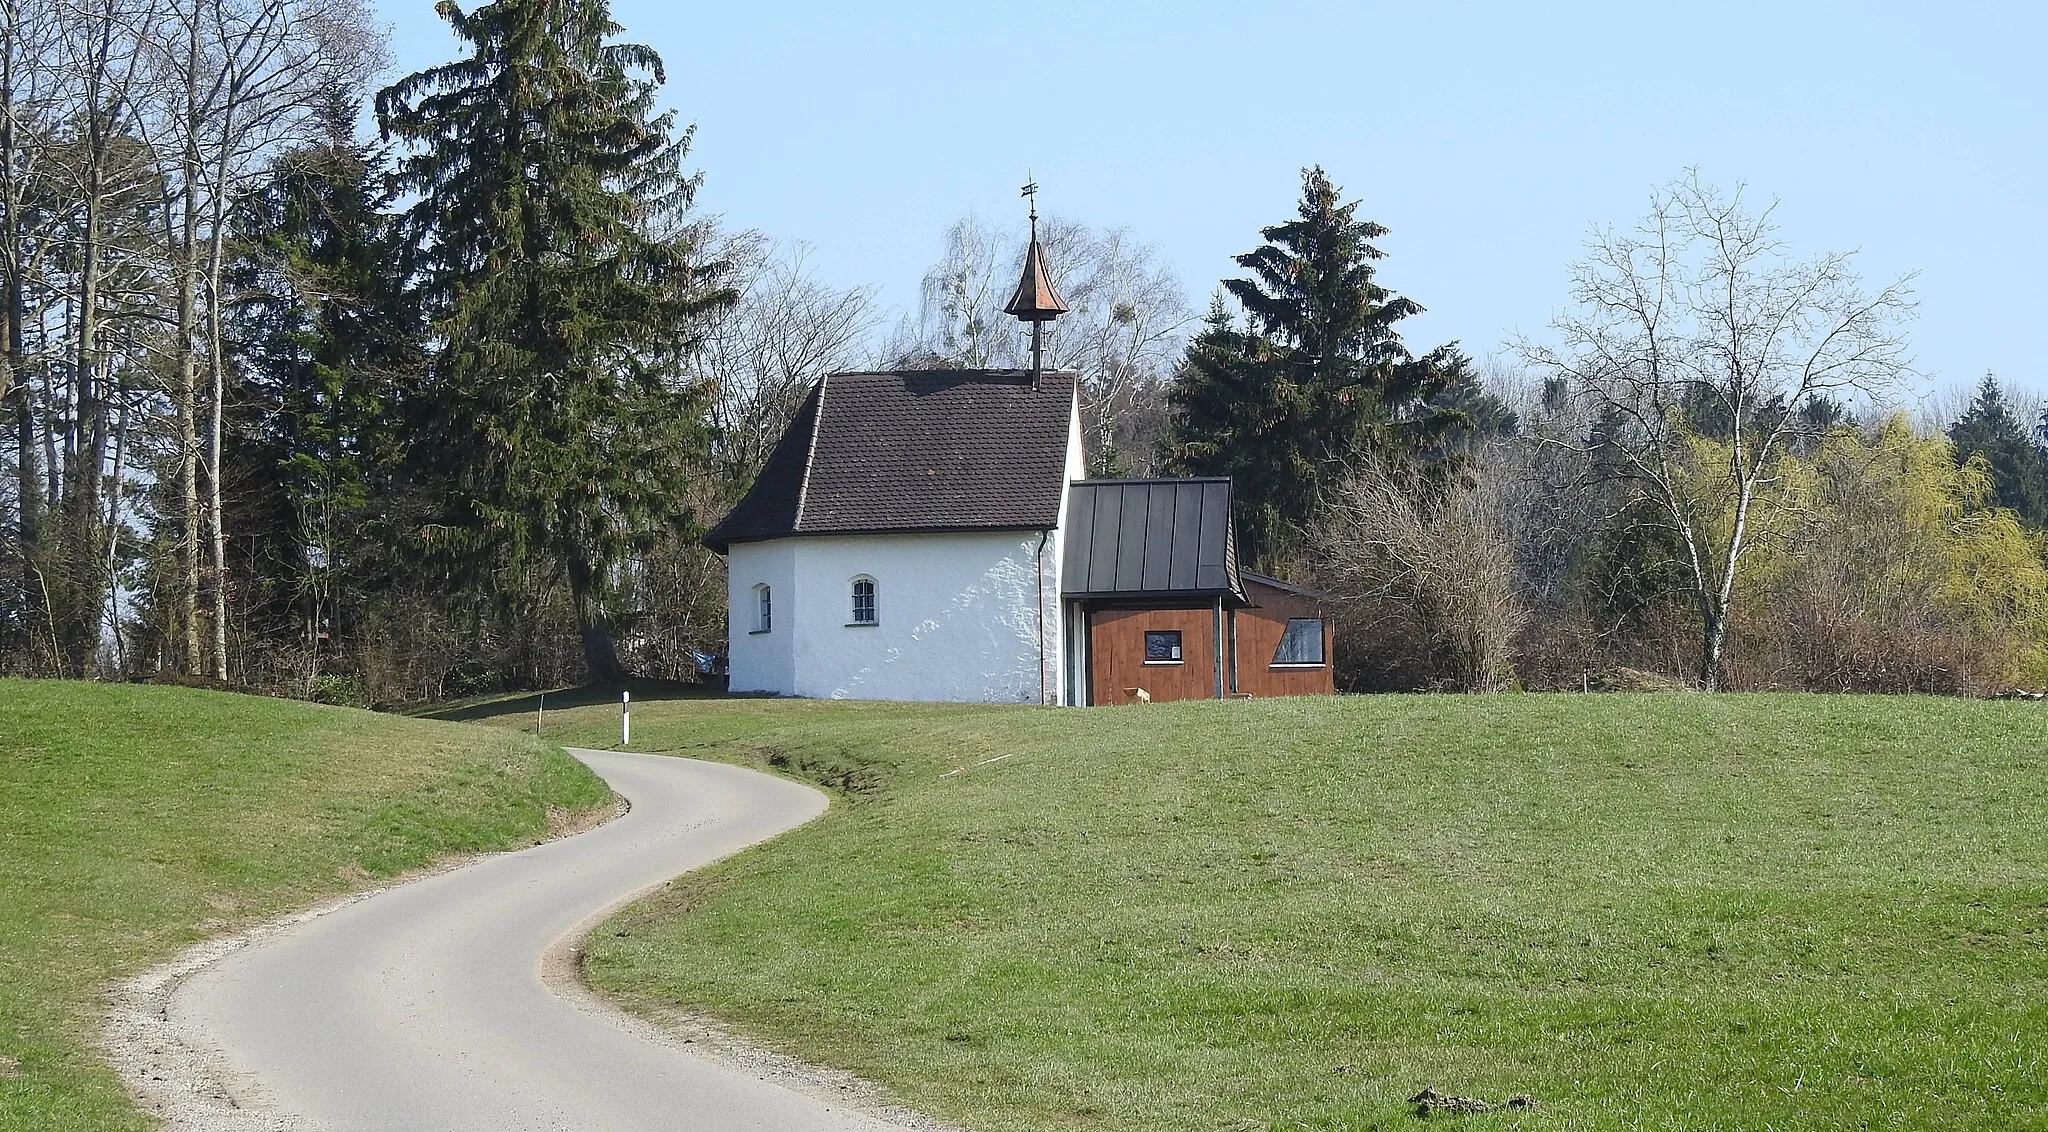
(135, 821)
(1672, 911)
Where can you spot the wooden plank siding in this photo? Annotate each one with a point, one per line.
(1116, 650)
(1259, 630)
(1116, 655)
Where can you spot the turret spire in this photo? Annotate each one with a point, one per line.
(1035, 301)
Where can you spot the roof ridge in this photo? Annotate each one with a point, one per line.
(955, 371)
(803, 491)
(1156, 479)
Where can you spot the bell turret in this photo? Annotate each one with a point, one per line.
(1035, 301)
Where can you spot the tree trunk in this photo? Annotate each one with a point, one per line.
(185, 395)
(113, 531)
(1713, 631)
(601, 653)
(78, 608)
(185, 555)
(594, 625)
(216, 527)
(28, 476)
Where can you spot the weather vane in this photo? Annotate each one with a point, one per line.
(1031, 190)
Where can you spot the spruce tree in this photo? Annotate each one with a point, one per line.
(566, 292)
(329, 341)
(1231, 411)
(2019, 470)
(1317, 377)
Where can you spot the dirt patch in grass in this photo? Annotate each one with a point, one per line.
(564, 821)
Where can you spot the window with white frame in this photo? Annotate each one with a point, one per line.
(864, 612)
(764, 609)
(1301, 646)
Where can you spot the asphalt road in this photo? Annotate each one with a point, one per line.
(423, 1008)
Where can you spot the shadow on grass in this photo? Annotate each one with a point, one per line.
(644, 691)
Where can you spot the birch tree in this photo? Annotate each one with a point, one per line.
(1697, 341)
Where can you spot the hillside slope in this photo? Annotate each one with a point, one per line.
(1671, 911)
(135, 821)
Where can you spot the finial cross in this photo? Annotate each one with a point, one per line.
(1031, 190)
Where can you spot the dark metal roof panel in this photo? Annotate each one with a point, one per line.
(1080, 522)
(1187, 521)
(1100, 572)
(1145, 538)
(1212, 564)
(1158, 569)
(1130, 540)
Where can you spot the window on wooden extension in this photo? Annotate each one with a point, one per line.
(1301, 646)
(864, 602)
(1162, 646)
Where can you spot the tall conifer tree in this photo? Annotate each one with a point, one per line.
(566, 292)
(2019, 469)
(1318, 376)
(329, 342)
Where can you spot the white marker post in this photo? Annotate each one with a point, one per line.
(539, 712)
(625, 718)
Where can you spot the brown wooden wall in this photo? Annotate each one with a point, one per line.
(1259, 630)
(1116, 655)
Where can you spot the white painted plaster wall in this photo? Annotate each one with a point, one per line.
(1070, 664)
(957, 617)
(761, 662)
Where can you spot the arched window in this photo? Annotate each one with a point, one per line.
(764, 609)
(864, 612)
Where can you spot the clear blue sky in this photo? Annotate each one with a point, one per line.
(1488, 137)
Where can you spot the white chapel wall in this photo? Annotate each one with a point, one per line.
(1064, 615)
(957, 617)
(761, 662)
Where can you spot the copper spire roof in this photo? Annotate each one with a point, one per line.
(1035, 300)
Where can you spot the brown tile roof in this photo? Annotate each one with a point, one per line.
(915, 450)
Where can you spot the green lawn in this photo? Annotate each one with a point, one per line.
(135, 821)
(1671, 911)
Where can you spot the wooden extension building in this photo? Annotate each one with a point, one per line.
(1163, 610)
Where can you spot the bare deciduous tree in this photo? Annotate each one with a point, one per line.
(1123, 333)
(787, 330)
(249, 78)
(1426, 568)
(1695, 343)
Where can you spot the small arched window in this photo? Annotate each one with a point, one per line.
(764, 609)
(864, 611)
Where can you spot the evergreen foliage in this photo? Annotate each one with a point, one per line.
(566, 293)
(329, 338)
(2019, 471)
(1316, 378)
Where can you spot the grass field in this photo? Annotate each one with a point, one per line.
(1671, 912)
(135, 821)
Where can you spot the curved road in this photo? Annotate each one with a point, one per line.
(423, 1008)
